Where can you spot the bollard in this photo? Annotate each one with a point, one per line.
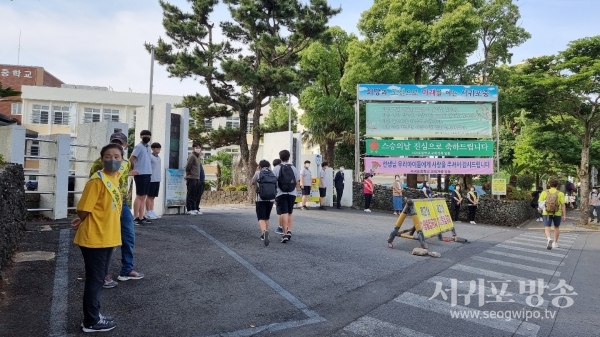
(407, 208)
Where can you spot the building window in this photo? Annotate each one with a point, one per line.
(192, 122)
(91, 115)
(208, 124)
(60, 115)
(206, 156)
(34, 149)
(39, 114)
(15, 108)
(111, 115)
(233, 122)
(250, 127)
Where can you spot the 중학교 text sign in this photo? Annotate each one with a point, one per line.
(413, 120)
(427, 92)
(429, 165)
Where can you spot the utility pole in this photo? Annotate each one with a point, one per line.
(289, 112)
(150, 110)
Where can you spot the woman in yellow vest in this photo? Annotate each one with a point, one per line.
(473, 201)
(98, 229)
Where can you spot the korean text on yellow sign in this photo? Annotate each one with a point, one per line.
(426, 216)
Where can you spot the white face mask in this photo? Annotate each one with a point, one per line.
(307, 165)
(397, 178)
(197, 150)
(341, 169)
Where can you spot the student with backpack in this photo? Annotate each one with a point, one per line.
(266, 191)
(288, 180)
(554, 208)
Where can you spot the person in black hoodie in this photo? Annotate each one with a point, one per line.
(338, 182)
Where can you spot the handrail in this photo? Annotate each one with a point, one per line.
(81, 160)
(39, 157)
(39, 209)
(41, 140)
(39, 192)
(82, 145)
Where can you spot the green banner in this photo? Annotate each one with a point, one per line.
(426, 148)
(414, 120)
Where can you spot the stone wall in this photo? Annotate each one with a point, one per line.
(489, 211)
(13, 209)
(210, 198)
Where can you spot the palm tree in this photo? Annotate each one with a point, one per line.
(514, 170)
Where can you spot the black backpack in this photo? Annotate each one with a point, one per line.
(267, 185)
(286, 179)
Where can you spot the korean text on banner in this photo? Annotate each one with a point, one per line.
(425, 148)
(442, 214)
(430, 165)
(414, 120)
(429, 92)
(427, 217)
(175, 188)
(498, 186)
(314, 192)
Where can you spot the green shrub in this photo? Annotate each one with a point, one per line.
(229, 188)
(525, 182)
(515, 194)
(242, 188)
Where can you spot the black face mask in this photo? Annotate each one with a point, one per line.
(146, 140)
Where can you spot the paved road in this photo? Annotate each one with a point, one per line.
(210, 275)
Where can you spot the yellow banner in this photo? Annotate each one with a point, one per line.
(426, 216)
(314, 192)
(498, 186)
(442, 214)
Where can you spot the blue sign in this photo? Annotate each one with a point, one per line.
(427, 92)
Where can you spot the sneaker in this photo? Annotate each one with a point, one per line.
(285, 239)
(109, 282)
(198, 212)
(133, 275)
(107, 318)
(322, 208)
(472, 222)
(289, 235)
(368, 210)
(191, 212)
(549, 245)
(137, 221)
(151, 215)
(145, 221)
(266, 238)
(554, 245)
(279, 230)
(304, 208)
(102, 325)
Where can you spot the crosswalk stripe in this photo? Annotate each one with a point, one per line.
(517, 266)
(466, 287)
(525, 257)
(528, 244)
(542, 252)
(542, 238)
(444, 308)
(492, 274)
(538, 241)
(370, 326)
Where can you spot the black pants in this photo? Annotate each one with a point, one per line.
(340, 192)
(96, 261)
(200, 192)
(472, 210)
(192, 199)
(368, 199)
(455, 212)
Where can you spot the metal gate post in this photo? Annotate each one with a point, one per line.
(58, 147)
(12, 138)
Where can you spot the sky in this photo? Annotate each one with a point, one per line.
(100, 43)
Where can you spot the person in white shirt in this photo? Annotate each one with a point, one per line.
(154, 181)
(305, 183)
(322, 186)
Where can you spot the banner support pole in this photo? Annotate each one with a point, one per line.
(497, 142)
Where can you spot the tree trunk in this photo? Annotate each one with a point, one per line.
(219, 187)
(584, 177)
(411, 180)
(538, 183)
(439, 182)
(446, 183)
(329, 154)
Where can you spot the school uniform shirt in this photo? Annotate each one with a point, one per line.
(155, 164)
(142, 154)
(102, 227)
(594, 196)
(561, 200)
(322, 183)
(306, 177)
